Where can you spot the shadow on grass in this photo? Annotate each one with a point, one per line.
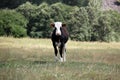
(43, 62)
(40, 62)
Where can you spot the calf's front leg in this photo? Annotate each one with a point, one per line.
(55, 51)
(61, 51)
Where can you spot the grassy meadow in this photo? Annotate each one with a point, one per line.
(33, 59)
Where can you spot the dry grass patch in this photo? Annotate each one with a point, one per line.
(33, 59)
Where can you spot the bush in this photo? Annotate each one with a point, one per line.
(76, 2)
(12, 23)
(88, 23)
(115, 25)
(41, 16)
(80, 26)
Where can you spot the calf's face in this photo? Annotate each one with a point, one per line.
(58, 26)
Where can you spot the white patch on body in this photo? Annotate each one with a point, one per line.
(58, 25)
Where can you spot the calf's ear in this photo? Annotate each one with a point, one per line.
(63, 25)
(52, 25)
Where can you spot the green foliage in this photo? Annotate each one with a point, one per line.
(60, 12)
(41, 16)
(92, 24)
(15, 3)
(115, 25)
(68, 2)
(85, 22)
(27, 9)
(80, 25)
(47, 1)
(76, 2)
(102, 30)
(12, 23)
(39, 19)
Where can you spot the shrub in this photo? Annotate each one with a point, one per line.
(12, 23)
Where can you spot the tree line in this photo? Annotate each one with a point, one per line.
(86, 21)
(15, 3)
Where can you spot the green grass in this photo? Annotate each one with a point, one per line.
(33, 59)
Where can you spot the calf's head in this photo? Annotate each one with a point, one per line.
(58, 26)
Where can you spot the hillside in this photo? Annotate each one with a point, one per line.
(111, 4)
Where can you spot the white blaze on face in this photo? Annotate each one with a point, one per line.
(58, 25)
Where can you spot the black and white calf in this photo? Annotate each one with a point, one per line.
(59, 38)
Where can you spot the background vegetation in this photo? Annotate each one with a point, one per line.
(85, 19)
(12, 23)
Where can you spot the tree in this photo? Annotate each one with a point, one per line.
(80, 29)
(39, 19)
(41, 16)
(88, 23)
(76, 2)
(115, 25)
(12, 23)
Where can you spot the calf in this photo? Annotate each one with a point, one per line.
(59, 38)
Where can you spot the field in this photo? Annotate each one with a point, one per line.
(33, 59)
